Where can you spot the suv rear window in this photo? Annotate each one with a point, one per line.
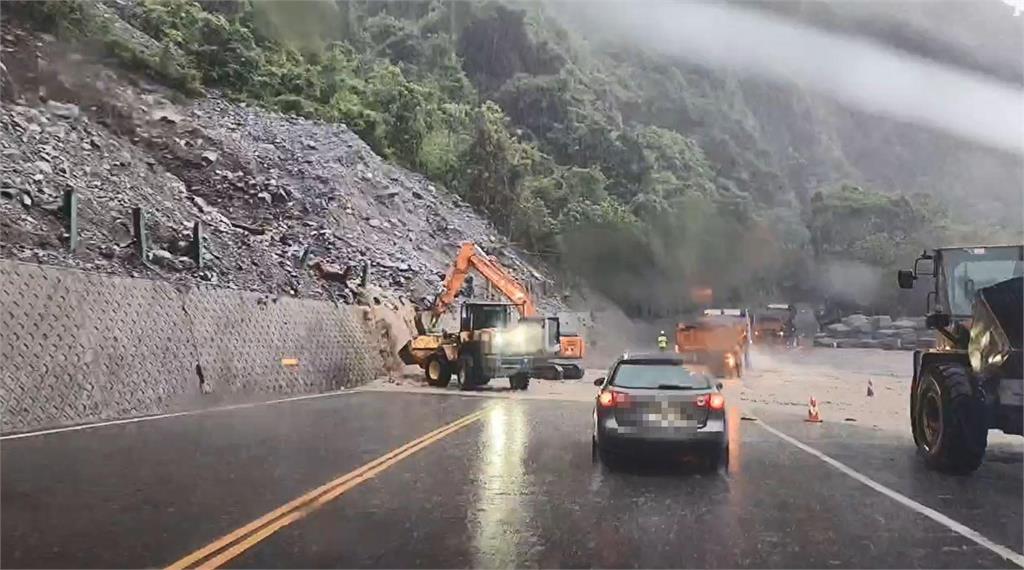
(652, 375)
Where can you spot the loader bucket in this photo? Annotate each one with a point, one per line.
(996, 330)
(1004, 303)
(419, 349)
(405, 353)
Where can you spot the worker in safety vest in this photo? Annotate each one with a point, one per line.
(662, 341)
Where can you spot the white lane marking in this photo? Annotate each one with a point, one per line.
(172, 415)
(929, 512)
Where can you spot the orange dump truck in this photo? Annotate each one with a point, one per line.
(717, 342)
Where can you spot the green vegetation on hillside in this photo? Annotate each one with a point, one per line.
(640, 175)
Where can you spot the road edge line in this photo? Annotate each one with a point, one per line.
(139, 419)
(957, 527)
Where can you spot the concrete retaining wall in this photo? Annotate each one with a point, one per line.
(78, 347)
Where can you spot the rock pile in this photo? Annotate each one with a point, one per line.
(278, 196)
(879, 331)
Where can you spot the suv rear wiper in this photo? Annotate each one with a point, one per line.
(675, 387)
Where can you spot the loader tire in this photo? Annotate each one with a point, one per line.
(438, 371)
(949, 421)
(519, 381)
(467, 376)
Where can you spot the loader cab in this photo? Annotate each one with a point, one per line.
(479, 315)
(957, 274)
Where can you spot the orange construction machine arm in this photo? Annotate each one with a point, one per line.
(472, 257)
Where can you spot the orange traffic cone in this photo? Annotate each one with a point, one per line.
(871, 388)
(813, 415)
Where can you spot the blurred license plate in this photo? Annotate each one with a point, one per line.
(665, 414)
(671, 420)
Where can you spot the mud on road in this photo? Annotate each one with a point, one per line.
(779, 382)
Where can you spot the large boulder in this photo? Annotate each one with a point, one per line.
(839, 330)
(881, 321)
(847, 342)
(865, 328)
(903, 324)
(919, 323)
(853, 321)
(890, 343)
(886, 333)
(906, 333)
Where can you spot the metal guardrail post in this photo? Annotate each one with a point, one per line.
(197, 244)
(69, 209)
(139, 231)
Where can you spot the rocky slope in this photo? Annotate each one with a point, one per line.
(279, 196)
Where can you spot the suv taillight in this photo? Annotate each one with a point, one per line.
(716, 401)
(612, 398)
(711, 401)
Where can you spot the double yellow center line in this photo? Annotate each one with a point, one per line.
(229, 546)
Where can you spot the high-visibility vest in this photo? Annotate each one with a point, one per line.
(662, 341)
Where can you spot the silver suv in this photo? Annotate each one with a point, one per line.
(658, 404)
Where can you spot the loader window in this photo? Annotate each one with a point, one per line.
(967, 271)
(487, 317)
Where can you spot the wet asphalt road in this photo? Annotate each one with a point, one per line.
(515, 488)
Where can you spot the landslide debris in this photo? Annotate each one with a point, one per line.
(281, 198)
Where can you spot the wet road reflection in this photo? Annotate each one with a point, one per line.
(516, 489)
(733, 427)
(736, 499)
(498, 515)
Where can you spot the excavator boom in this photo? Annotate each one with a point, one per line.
(470, 257)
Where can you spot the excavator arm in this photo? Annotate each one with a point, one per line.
(472, 257)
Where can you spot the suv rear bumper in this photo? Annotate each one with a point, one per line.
(614, 438)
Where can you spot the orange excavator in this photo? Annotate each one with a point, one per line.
(495, 339)
(471, 257)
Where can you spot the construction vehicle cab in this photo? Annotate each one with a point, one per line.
(715, 341)
(973, 380)
(772, 323)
